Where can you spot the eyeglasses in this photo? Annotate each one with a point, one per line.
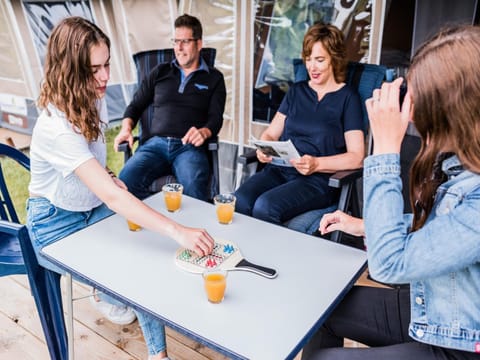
(176, 42)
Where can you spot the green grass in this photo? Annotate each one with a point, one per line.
(17, 177)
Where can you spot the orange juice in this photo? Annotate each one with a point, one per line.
(215, 284)
(225, 213)
(225, 206)
(133, 227)
(173, 200)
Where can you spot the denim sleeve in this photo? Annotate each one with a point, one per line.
(446, 243)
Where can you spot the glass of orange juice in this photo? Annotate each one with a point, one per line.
(173, 196)
(132, 226)
(225, 206)
(215, 281)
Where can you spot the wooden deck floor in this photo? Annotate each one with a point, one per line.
(21, 336)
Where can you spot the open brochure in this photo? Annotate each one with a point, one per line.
(280, 151)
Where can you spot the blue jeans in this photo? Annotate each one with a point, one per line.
(277, 194)
(160, 156)
(47, 224)
(309, 222)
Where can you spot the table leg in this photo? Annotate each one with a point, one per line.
(69, 308)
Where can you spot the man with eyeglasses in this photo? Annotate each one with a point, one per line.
(188, 100)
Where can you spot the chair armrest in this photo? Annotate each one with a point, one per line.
(127, 151)
(213, 147)
(248, 157)
(123, 147)
(213, 144)
(348, 200)
(344, 177)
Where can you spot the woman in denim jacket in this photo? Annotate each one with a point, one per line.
(437, 249)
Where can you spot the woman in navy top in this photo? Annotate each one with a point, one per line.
(323, 119)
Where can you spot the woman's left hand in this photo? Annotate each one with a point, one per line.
(387, 121)
(305, 165)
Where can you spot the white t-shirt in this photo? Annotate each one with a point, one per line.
(56, 150)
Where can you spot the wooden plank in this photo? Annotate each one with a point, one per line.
(363, 280)
(180, 345)
(128, 338)
(17, 304)
(17, 343)
(88, 343)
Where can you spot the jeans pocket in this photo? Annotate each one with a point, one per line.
(39, 211)
(48, 223)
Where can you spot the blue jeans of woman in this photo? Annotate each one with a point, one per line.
(47, 224)
(379, 318)
(160, 156)
(277, 194)
(309, 222)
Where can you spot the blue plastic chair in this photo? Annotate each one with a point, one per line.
(18, 257)
(11, 260)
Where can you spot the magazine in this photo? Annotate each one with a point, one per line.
(280, 151)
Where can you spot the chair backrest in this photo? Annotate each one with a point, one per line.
(408, 151)
(363, 77)
(146, 61)
(7, 210)
(11, 258)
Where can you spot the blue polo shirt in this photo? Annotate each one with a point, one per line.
(317, 127)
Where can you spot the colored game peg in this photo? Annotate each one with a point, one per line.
(228, 248)
(185, 255)
(210, 263)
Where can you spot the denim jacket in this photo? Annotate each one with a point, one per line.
(441, 260)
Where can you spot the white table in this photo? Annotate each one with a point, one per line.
(260, 318)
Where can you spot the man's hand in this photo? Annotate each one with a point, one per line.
(196, 137)
(125, 134)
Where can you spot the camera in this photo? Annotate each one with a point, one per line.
(403, 91)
